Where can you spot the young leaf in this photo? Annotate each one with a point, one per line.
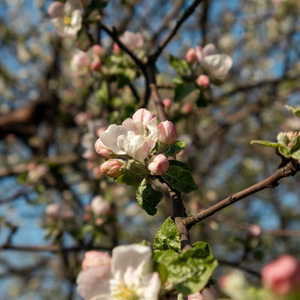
(148, 198)
(191, 271)
(129, 178)
(182, 90)
(179, 65)
(179, 178)
(180, 164)
(167, 237)
(175, 148)
(295, 111)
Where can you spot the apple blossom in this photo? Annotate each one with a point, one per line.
(167, 132)
(191, 55)
(167, 102)
(143, 115)
(132, 40)
(158, 164)
(217, 65)
(52, 210)
(112, 168)
(80, 63)
(203, 81)
(66, 17)
(129, 276)
(100, 206)
(186, 108)
(95, 65)
(95, 259)
(254, 231)
(135, 138)
(282, 275)
(102, 150)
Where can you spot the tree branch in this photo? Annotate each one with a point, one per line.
(288, 169)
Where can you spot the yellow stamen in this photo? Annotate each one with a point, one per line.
(122, 292)
(67, 20)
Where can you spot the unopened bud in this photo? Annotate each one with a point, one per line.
(95, 65)
(191, 55)
(112, 168)
(203, 81)
(167, 102)
(158, 164)
(167, 132)
(102, 150)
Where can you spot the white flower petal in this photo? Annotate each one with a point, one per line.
(110, 138)
(209, 49)
(94, 281)
(218, 65)
(72, 5)
(151, 287)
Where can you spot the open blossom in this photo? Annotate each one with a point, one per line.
(282, 275)
(136, 137)
(128, 277)
(66, 18)
(217, 65)
(132, 40)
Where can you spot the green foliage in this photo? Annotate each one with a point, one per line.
(182, 89)
(167, 237)
(179, 65)
(178, 177)
(148, 198)
(129, 178)
(175, 148)
(102, 93)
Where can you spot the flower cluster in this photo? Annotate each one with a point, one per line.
(126, 275)
(136, 139)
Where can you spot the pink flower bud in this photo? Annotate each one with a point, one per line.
(191, 55)
(95, 259)
(116, 48)
(112, 168)
(98, 50)
(254, 231)
(95, 65)
(102, 150)
(52, 210)
(143, 115)
(186, 108)
(167, 132)
(167, 102)
(195, 296)
(282, 275)
(158, 164)
(203, 81)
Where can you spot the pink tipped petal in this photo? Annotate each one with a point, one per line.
(143, 151)
(110, 138)
(56, 9)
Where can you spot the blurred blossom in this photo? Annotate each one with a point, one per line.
(37, 172)
(203, 81)
(217, 65)
(66, 17)
(100, 206)
(186, 108)
(282, 276)
(191, 56)
(234, 285)
(95, 259)
(80, 63)
(254, 231)
(52, 210)
(132, 40)
(82, 118)
(129, 277)
(167, 102)
(95, 66)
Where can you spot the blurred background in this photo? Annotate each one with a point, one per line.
(54, 202)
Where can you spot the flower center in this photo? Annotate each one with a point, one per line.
(67, 20)
(122, 292)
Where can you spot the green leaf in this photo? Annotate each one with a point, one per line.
(162, 271)
(148, 198)
(182, 90)
(165, 256)
(284, 151)
(129, 178)
(98, 4)
(180, 164)
(296, 155)
(167, 237)
(102, 94)
(175, 148)
(180, 179)
(265, 143)
(179, 65)
(201, 101)
(125, 77)
(191, 271)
